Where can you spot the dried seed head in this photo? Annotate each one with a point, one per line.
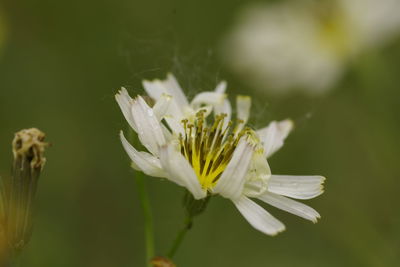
(29, 144)
(17, 192)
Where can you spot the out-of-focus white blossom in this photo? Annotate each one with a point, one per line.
(306, 44)
(373, 21)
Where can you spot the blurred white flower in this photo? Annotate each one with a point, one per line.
(373, 21)
(221, 157)
(306, 45)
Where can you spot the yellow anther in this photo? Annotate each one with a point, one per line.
(209, 149)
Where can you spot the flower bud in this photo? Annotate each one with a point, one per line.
(162, 262)
(194, 207)
(18, 192)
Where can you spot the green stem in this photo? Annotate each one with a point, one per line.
(146, 207)
(148, 218)
(17, 262)
(13, 260)
(180, 236)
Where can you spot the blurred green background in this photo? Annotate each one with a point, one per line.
(61, 62)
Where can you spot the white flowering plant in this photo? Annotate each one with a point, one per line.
(198, 146)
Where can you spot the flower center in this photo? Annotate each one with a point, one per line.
(333, 30)
(209, 149)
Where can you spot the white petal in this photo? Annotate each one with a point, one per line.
(180, 171)
(155, 89)
(243, 105)
(124, 101)
(290, 205)
(300, 187)
(231, 182)
(257, 176)
(168, 86)
(221, 87)
(207, 98)
(162, 105)
(167, 133)
(258, 217)
(149, 128)
(175, 124)
(175, 90)
(143, 161)
(225, 107)
(274, 134)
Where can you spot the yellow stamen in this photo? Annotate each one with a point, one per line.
(209, 149)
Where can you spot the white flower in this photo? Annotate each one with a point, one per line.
(221, 157)
(374, 22)
(306, 45)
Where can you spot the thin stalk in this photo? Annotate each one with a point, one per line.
(180, 236)
(140, 179)
(16, 261)
(148, 217)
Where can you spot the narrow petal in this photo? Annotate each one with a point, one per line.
(258, 175)
(167, 133)
(274, 135)
(175, 124)
(225, 107)
(221, 87)
(148, 127)
(162, 105)
(175, 90)
(168, 86)
(290, 205)
(231, 182)
(208, 98)
(124, 101)
(155, 89)
(258, 217)
(143, 161)
(243, 105)
(180, 171)
(300, 187)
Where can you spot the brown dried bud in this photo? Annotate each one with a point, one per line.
(29, 145)
(162, 262)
